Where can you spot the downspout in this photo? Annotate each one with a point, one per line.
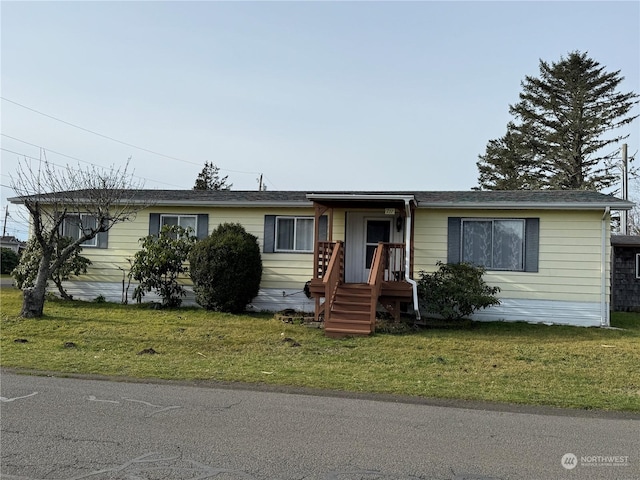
(604, 311)
(407, 257)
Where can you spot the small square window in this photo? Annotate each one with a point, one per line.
(188, 222)
(294, 234)
(74, 226)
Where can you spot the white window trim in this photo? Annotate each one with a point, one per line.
(524, 240)
(93, 242)
(179, 216)
(295, 233)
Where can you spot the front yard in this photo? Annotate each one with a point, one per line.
(586, 368)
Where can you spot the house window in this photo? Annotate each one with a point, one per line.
(188, 222)
(637, 265)
(198, 223)
(495, 243)
(294, 234)
(74, 226)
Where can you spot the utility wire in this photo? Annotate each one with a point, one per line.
(49, 150)
(24, 155)
(115, 139)
(48, 161)
(73, 158)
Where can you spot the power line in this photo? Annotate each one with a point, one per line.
(115, 139)
(269, 180)
(37, 158)
(49, 150)
(73, 158)
(22, 154)
(66, 166)
(96, 133)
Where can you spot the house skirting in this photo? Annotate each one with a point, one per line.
(556, 312)
(267, 300)
(582, 314)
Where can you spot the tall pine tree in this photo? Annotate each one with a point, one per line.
(566, 124)
(209, 179)
(508, 164)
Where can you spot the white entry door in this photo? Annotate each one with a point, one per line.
(363, 232)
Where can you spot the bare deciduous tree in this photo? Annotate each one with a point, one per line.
(95, 198)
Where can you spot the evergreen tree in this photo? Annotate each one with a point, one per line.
(565, 121)
(209, 179)
(508, 164)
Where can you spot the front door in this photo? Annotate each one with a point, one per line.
(375, 231)
(363, 232)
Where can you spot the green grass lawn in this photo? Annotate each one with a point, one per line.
(587, 368)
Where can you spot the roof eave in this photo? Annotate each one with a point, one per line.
(526, 205)
(359, 197)
(235, 203)
(199, 203)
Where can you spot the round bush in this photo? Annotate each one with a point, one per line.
(455, 291)
(226, 269)
(9, 260)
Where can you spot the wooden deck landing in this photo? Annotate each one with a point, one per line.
(353, 311)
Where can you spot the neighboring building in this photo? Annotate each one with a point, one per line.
(625, 273)
(12, 243)
(548, 251)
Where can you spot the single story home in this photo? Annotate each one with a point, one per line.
(12, 243)
(548, 251)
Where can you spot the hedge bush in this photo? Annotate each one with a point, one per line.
(8, 260)
(226, 269)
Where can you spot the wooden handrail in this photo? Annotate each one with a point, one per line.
(394, 258)
(376, 276)
(324, 252)
(333, 277)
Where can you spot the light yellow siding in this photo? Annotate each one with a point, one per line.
(280, 270)
(339, 217)
(570, 256)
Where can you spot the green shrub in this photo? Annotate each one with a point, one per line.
(159, 264)
(8, 260)
(455, 291)
(27, 270)
(226, 269)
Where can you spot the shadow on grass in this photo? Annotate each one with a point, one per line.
(624, 325)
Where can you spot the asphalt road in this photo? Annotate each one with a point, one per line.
(64, 428)
(6, 282)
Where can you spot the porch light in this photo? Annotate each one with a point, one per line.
(399, 223)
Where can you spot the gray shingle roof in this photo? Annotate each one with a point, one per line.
(425, 199)
(625, 240)
(528, 198)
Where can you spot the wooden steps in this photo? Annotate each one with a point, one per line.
(351, 311)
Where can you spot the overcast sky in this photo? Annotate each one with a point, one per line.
(312, 95)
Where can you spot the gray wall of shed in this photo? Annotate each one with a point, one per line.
(625, 287)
